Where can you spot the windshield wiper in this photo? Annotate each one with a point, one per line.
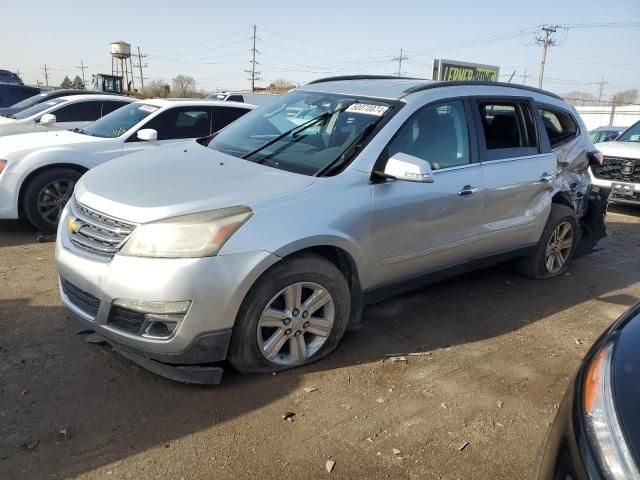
(350, 150)
(300, 128)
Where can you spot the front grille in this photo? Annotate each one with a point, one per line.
(618, 169)
(95, 232)
(80, 299)
(126, 320)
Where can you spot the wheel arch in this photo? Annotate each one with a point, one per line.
(31, 175)
(563, 198)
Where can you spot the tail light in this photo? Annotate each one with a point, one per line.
(595, 158)
(3, 164)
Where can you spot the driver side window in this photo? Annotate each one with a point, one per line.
(437, 133)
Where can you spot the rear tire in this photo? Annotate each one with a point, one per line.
(280, 326)
(556, 246)
(45, 196)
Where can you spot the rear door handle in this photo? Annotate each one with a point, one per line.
(546, 178)
(468, 190)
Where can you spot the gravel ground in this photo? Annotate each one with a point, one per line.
(494, 353)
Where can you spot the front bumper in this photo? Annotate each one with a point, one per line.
(621, 191)
(9, 188)
(216, 287)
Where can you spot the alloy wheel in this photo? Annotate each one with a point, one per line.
(559, 247)
(296, 323)
(52, 199)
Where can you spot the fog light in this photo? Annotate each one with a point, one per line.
(160, 326)
(159, 308)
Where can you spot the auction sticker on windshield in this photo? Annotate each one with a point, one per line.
(368, 109)
(148, 108)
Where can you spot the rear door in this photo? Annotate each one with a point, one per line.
(518, 169)
(422, 227)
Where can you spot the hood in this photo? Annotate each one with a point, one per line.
(180, 179)
(7, 120)
(26, 142)
(620, 149)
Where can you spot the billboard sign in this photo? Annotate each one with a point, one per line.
(452, 70)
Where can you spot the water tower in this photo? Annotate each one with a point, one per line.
(121, 63)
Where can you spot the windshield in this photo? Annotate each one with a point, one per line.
(37, 108)
(28, 102)
(301, 132)
(119, 121)
(631, 135)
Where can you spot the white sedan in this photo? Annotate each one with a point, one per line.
(62, 113)
(38, 171)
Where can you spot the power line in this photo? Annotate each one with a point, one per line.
(198, 43)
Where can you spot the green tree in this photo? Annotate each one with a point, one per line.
(78, 83)
(66, 83)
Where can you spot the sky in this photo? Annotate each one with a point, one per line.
(300, 41)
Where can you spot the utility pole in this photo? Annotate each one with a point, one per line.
(524, 77)
(82, 67)
(46, 75)
(546, 41)
(399, 60)
(254, 75)
(140, 65)
(600, 90)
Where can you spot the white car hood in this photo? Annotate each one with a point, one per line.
(17, 146)
(180, 179)
(7, 120)
(620, 149)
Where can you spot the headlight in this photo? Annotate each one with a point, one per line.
(602, 423)
(196, 235)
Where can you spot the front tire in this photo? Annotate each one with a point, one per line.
(294, 315)
(46, 195)
(556, 246)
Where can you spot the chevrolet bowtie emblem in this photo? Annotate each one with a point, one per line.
(72, 226)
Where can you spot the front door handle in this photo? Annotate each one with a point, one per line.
(546, 178)
(468, 190)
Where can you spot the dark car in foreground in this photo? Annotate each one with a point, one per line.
(41, 97)
(11, 93)
(596, 433)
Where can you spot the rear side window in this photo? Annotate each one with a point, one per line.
(235, 98)
(223, 116)
(110, 106)
(560, 126)
(79, 112)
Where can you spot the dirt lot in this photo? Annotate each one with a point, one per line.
(501, 352)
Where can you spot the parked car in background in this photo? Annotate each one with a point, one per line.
(62, 113)
(596, 432)
(42, 97)
(257, 99)
(605, 134)
(11, 93)
(38, 171)
(263, 242)
(9, 77)
(620, 170)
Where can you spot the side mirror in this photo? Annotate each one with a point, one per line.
(48, 119)
(147, 135)
(403, 166)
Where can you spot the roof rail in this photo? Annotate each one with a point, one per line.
(428, 86)
(361, 77)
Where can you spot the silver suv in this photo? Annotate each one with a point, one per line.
(261, 243)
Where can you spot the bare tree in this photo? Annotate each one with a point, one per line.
(280, 85)
(184, 86)
(157, 88)
(578, 98)
(625, 97)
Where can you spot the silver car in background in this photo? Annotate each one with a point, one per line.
(263, 242)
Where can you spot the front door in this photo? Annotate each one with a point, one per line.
(423, 227)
